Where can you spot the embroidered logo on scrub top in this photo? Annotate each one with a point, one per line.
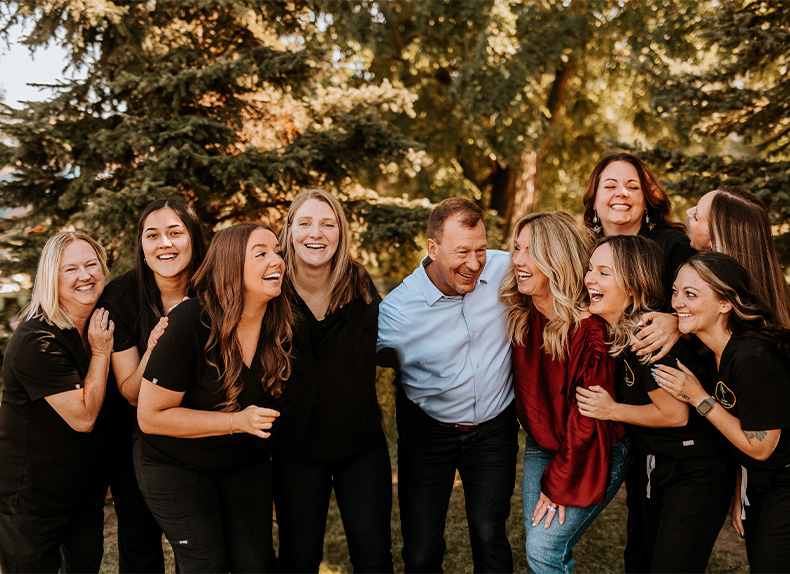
(628, 375)
(725, 396)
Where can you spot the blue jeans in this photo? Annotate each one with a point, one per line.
(428, 457)
(551, 549)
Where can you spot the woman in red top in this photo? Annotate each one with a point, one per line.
(573, 465)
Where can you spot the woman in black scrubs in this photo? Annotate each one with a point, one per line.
(207, 405)
(170, 247)
(55, 374)
(715, 301)
(684, 486)
(332, 436)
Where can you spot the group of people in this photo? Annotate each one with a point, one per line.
(207, 384)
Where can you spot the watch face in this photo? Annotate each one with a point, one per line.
(705, 407)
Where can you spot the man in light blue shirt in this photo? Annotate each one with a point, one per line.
(455, 410)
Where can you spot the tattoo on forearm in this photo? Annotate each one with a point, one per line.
(758, 434)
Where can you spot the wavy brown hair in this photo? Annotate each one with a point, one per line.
(639, 272)
(219, 285)
(740, 227)
(348, 279)
(560, 246)
(657, 203)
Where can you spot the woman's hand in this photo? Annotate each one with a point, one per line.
(100, 333)
(158, 331)
(547, 508)
(659, 334)
(596, 403)
(680, 383)
(254, 420)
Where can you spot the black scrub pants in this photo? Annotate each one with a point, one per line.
(689, 499)
(215, 523)
(68, 542)
(767, 523)
(363, 489)
(139, 535)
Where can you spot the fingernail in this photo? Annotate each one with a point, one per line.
(743, 535)
(534, 523)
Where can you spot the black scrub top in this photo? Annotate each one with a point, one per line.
(333, 410)
(120, 298)
(698, 437)
(753, 385)
(178, 363)
(46, 467)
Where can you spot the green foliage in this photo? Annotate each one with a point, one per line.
(227, 103)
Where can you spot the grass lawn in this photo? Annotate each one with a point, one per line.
(600, 550)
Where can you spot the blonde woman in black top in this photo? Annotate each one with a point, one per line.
(332, 437)
(52, 487)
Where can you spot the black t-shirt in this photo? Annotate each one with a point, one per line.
(178, 363)
(121, 299)
(753, 386)
(698, 437)
(334, 411)
(46, 467)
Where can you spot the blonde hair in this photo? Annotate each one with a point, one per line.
(560, 246)
(639, 272)
(348, 279)
(45, 299)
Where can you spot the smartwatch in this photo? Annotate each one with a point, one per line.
(705, 406)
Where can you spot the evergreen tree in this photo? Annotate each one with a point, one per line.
(229, 103)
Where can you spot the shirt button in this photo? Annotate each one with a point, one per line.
(479, 398)
(477, 366)
(473, 333)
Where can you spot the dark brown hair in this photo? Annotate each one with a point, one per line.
(657, 204)
(470, 215)
(732, 282)
(740, 227)
(148, 295)
(219, 285)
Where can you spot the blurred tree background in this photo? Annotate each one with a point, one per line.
(393, 105)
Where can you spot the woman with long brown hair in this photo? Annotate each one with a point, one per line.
(331, 438)
(715, 301)
(208, 402)
(169, 249)
(731, 220)
(681, 477)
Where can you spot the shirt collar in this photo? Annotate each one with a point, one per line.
(432, 293)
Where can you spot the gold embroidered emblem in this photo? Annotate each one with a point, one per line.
(725, 396)
(628, 375)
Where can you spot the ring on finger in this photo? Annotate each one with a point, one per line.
(552, 508)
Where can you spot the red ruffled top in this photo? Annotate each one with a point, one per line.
(546, 403)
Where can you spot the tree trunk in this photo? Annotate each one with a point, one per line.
(515, 189)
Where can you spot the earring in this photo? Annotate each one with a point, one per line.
(650, 226)
(597, 227)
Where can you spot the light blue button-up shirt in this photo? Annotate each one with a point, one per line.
(453, 351)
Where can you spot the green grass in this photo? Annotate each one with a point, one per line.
(600, 550)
